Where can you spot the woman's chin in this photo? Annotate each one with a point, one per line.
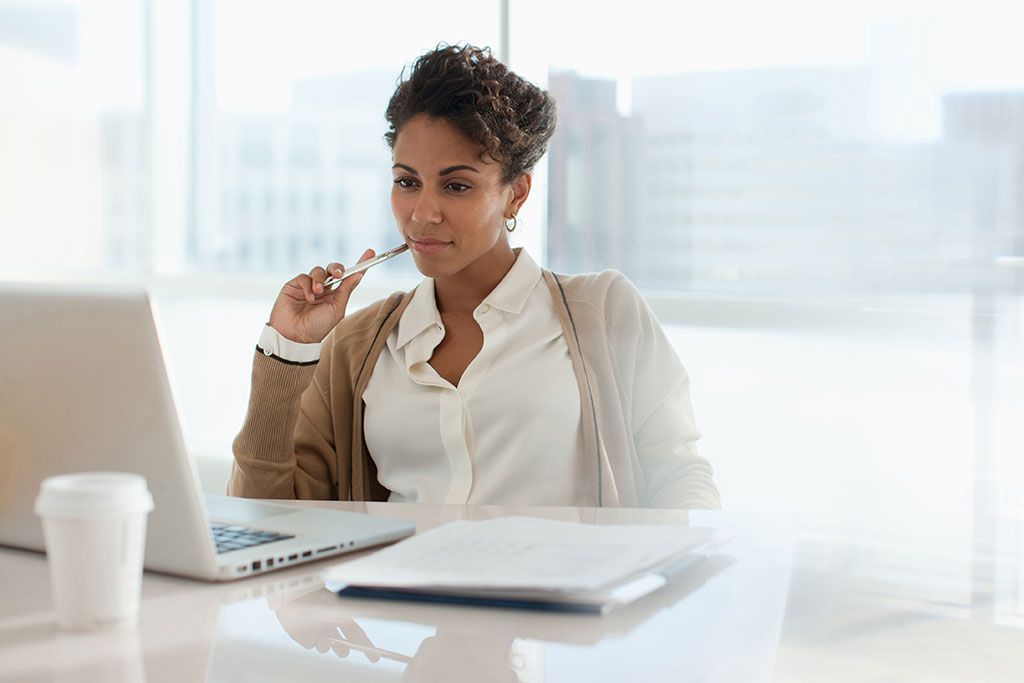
(429, 267)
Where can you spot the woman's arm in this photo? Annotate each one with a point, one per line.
(265, 464)
(284, 449)
(664, 429)
(675, 475)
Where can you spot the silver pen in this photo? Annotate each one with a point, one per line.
(360, 267)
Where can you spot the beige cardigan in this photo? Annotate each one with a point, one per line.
(303, 434)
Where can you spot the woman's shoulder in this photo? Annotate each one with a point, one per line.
(600, 289)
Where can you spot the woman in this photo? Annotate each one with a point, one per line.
(493, 381)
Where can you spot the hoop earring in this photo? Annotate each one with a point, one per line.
(514, 224)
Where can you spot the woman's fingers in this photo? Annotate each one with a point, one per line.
(305, 284)
(312, 285)
(317, 277)
(335, 270)
(307, 308)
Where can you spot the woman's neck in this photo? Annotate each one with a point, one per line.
(463, 291)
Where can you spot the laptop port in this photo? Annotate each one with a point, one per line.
(270, 562)
(308, 553)
(256, 565)
(327, 549)
(293, 557)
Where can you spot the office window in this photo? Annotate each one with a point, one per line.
(862, 150)
(822, 202)
(825, 204)
(289, 91)
(74, 176)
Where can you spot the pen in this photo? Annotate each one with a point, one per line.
(370, 650)
(360, 267)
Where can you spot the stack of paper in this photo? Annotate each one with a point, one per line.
(526, 562)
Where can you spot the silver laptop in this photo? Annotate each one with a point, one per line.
(83, 387)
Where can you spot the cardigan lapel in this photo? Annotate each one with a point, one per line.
(598, 466)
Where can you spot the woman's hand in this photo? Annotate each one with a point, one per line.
(305, 311)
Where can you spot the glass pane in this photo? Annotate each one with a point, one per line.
(825, 205)
(292, 169)
(73, 135)
(794, 148)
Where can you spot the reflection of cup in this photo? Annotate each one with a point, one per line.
(74, 658)
(94, 524)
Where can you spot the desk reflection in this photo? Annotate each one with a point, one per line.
(480, 656)
(466, 643)
(718, 622)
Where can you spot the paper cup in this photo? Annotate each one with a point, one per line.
(94, 524)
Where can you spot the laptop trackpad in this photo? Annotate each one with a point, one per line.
(237, 510)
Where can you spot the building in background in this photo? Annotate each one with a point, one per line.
(987, 131)
(783, 181)
(772, 182)
(124, 181)
(50, 192)
(775, 181)
(595, 180)
(289, 190)
(850, 180)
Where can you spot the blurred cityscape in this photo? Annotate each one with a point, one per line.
(769, 181)
(778, 180)
(781, 180)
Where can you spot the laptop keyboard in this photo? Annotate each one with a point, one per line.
(228, 537)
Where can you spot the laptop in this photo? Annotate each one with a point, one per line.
(83, 387)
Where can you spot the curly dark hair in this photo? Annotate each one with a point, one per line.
(510, 118)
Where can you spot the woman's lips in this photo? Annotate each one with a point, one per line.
(428, 246)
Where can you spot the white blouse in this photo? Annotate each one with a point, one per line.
(509, 433)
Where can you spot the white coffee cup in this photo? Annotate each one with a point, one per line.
(94, 524)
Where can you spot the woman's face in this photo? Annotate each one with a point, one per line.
(450, 204)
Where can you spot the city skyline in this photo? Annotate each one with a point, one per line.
(842, 177)
(741, 196)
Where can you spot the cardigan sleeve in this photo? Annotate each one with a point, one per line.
(303, 419)
(657, 389)
(675, 474)
(284, 449)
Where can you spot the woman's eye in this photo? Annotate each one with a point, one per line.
(405, 183)
(457, 187)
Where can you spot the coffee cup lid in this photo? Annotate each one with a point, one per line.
(93, 494)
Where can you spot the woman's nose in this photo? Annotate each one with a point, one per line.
(427, 209)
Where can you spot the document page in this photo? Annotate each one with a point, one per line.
(521, 553)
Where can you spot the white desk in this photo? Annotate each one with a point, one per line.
(767, 609)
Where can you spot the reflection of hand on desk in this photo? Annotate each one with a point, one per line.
(481, 655)
(480, 658)
(355, 638)
(322, 632)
